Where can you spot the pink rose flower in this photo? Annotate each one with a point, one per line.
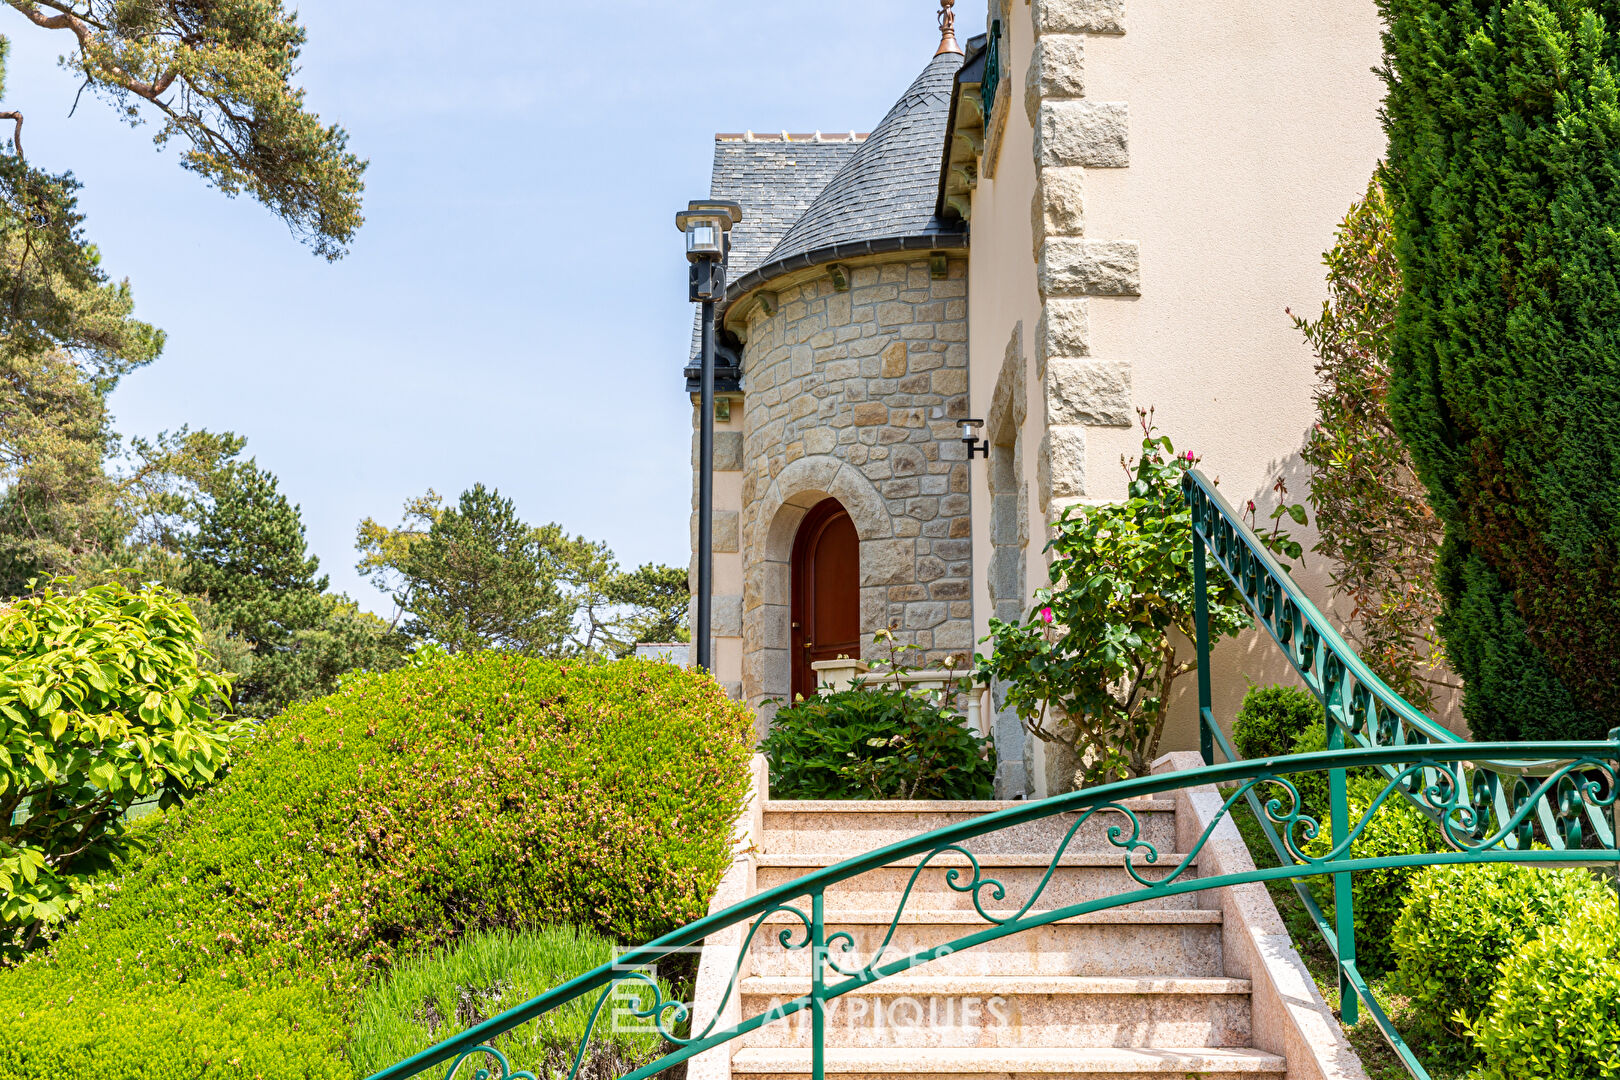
(1046, 614)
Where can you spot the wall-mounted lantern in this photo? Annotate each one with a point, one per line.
(970, 435)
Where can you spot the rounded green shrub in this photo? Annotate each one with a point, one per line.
(1271, 718)
(876, 743)
(477, 792)
(432, 997)
(1461, 922)
(1377, 896)
(1555, 1012)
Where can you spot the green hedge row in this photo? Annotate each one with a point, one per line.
(481, 792)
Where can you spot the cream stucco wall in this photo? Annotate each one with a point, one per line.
(1253, 126)
(1004, 304)
(1249, 126)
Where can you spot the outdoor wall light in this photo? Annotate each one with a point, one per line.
(970, 435)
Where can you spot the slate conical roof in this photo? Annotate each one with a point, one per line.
(887, 189)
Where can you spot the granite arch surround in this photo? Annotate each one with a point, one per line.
(767, 588)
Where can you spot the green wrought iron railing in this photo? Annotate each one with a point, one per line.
(1362, 711)
(1489, 801)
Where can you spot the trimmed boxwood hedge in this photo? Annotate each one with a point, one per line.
(478, 792)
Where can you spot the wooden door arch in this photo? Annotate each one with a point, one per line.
(826, 602)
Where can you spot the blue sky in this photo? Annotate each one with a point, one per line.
(514, 310)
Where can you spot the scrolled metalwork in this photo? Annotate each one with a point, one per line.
(482, 1072)
(1460, 785)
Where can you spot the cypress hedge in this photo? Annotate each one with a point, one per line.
(480, 792)
(1504, 167)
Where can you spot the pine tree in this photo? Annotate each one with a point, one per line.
(481, 579)
(1504, 168)
(248, 559)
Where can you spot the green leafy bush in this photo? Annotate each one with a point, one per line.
(1272, 717)
(411, 808)
(1461, 922)
(1555, 1012)
(104, 701)
(1377, 895)
(876, 742)
(440, 994)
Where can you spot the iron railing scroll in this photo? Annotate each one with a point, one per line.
(1533, 796)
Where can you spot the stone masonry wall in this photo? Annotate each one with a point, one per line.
(858, 394)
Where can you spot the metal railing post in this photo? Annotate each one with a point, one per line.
(1344, 915)
(1206, 702)
(818, 986)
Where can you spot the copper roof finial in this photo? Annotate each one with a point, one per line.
(947, 29)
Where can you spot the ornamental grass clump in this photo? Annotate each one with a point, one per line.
(440, 994)
(479, 792)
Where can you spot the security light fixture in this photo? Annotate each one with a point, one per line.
(970, 435)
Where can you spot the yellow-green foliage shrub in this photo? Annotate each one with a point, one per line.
(1555, 1012)
(104, 700)
(483, 791)
(1461, 922)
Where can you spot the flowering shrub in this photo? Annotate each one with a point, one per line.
(1093, 665)
(477, 792)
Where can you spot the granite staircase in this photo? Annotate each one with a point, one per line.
(1137, 990)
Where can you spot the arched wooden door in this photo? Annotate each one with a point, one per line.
(826, 609)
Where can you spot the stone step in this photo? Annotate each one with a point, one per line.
(996, 1011)
(1052, 1063)
(805, 826)
(1079, 877)
(1128, 941)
